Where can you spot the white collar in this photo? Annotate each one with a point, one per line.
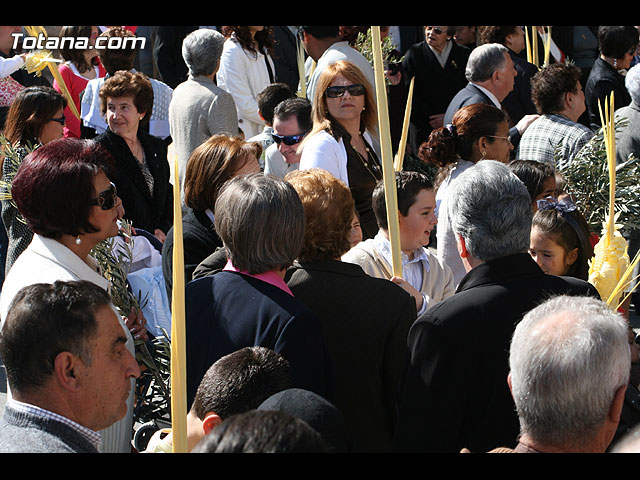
(490, 95)
(383, 245)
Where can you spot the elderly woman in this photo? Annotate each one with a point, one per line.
(210, 166)
(246, 69)
(35, 118)
(518, 103)
(199, 108)
(351, 306)
(260, 220)
(66, 198)
(617, 45)
(556, 136)
(141, 167)
(344, 119)
(477, 132)
(114, 60)
(438, 64)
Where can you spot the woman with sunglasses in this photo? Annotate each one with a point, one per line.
(344, 130)
(617, 46)
(66, 198)
(141, 167)
(35, 118)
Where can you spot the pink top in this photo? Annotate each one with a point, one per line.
(270, 277)
(76, 85)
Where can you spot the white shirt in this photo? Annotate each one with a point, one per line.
(490, 95)
(412, 269)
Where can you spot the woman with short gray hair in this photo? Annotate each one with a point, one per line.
(199, 108)
(261, 222)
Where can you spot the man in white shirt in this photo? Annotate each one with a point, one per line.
(325, 46)
(291, 122)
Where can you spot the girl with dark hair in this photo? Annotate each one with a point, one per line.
(538, 177)
(246, 68)
(560, 239)
(80, 66)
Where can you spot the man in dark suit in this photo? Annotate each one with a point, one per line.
(285, 56)
(455, 393)
(491, 74)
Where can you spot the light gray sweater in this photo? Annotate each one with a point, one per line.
(22, 432)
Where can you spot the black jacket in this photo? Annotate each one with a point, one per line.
(144, 210)
(365, 322)
(456, 393)
(603, 80)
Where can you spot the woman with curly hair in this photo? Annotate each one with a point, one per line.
(246, 68)
(364, 320)
(142, 170)
(477, 132)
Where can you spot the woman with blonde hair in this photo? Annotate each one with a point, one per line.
(344, 135)
(210, 165)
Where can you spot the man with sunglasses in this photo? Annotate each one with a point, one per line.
(291, 122)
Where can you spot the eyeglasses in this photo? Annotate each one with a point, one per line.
(61, 120)
(288, 139)
(106, 200)
(436, 30)
(506, 139)
(354, 90)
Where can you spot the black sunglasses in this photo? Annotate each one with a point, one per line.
(61, 120)
(107, 199)
(288, 139)
(354, 90)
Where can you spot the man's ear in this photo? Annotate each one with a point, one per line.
(210, 421)
(615, 411)
(462, 246)
(67, 369)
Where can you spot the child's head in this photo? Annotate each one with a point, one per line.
(538, 177)
(560, 240)
(416, 207)
(269, 98)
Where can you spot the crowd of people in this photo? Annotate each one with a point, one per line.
(301, 333)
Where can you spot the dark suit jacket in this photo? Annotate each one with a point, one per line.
(519, 103)
(470, 95)
(434, 86)
(456, 393)
(365, 322)
(145, 211)
(603, 80)
(199, 239)
(285, 57)
(167, 52)
(229, 311)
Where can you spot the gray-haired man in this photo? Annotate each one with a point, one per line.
(455, 395)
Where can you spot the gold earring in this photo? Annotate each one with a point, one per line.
(484, 155)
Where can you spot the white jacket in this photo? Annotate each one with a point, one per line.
(244, 75)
